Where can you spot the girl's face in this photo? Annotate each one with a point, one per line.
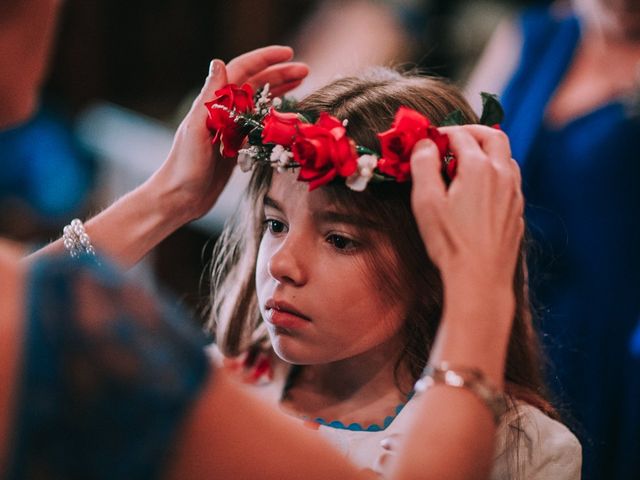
(316, 292)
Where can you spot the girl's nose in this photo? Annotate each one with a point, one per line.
(287, 264)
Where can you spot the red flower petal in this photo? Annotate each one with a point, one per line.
(280, 128)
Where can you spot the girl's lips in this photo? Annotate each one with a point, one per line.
(281, 314)
(284, 319)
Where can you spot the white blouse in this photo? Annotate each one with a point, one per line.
(529, 444)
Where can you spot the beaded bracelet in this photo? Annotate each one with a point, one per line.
(461, 377)
(76, 240)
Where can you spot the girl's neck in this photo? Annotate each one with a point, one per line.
(362, 389)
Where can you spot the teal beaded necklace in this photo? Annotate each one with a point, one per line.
(355, 427)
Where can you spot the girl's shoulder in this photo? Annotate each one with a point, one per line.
(530, 445)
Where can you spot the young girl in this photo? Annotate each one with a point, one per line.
(329, 303)
(98, 381)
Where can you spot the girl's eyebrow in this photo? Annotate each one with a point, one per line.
(329, 216)
(270, 202)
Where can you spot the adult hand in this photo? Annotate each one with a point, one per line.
(194, 174)
(473, 229)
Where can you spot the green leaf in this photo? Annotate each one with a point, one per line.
(308, 117)
(381, 177)
(364, 150)
(492, 112)
(454, 118)
(255, 136)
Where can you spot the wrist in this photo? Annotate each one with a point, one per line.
(171, 204)
(475, 327)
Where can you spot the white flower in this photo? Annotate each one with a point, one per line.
(277, 102)
(247, 158)
(359, 180)
(281, 157)
(265, 97)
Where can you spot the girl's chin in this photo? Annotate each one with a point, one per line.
(291, 354)
(294, 352)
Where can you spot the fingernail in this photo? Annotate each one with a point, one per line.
(425, 143)
(214, 67)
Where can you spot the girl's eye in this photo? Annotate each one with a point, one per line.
(341, 243)
(275, 226)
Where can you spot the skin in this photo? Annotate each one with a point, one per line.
(346, 332)
(305, 256)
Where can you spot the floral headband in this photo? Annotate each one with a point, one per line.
(285, 138)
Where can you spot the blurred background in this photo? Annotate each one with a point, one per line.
(124, 73)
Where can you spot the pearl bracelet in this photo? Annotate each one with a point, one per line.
(76, 240)
(460, 377)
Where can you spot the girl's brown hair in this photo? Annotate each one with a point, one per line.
(369, 103)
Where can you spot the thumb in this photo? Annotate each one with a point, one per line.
(216, 79)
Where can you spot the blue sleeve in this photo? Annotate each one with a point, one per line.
(108, 374)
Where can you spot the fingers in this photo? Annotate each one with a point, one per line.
(493, 141)
(428, 193)
(425, 171)
(284, 88)
(464, 147)
(249, 64)
(473, 143)
(216, 79)
(280, 77)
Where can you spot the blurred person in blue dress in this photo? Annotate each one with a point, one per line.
(570, 83)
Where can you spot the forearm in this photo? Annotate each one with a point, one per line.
(232, 434)
(475, 328)
(132, 226)
(456, 419)
(11, 345)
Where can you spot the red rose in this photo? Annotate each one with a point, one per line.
(219, 122)
(323, 151)
(397, 143)
(280, 128)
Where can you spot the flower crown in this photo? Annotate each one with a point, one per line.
(286, 138)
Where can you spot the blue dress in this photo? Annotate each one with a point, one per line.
(581, 182)
(107, 376)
